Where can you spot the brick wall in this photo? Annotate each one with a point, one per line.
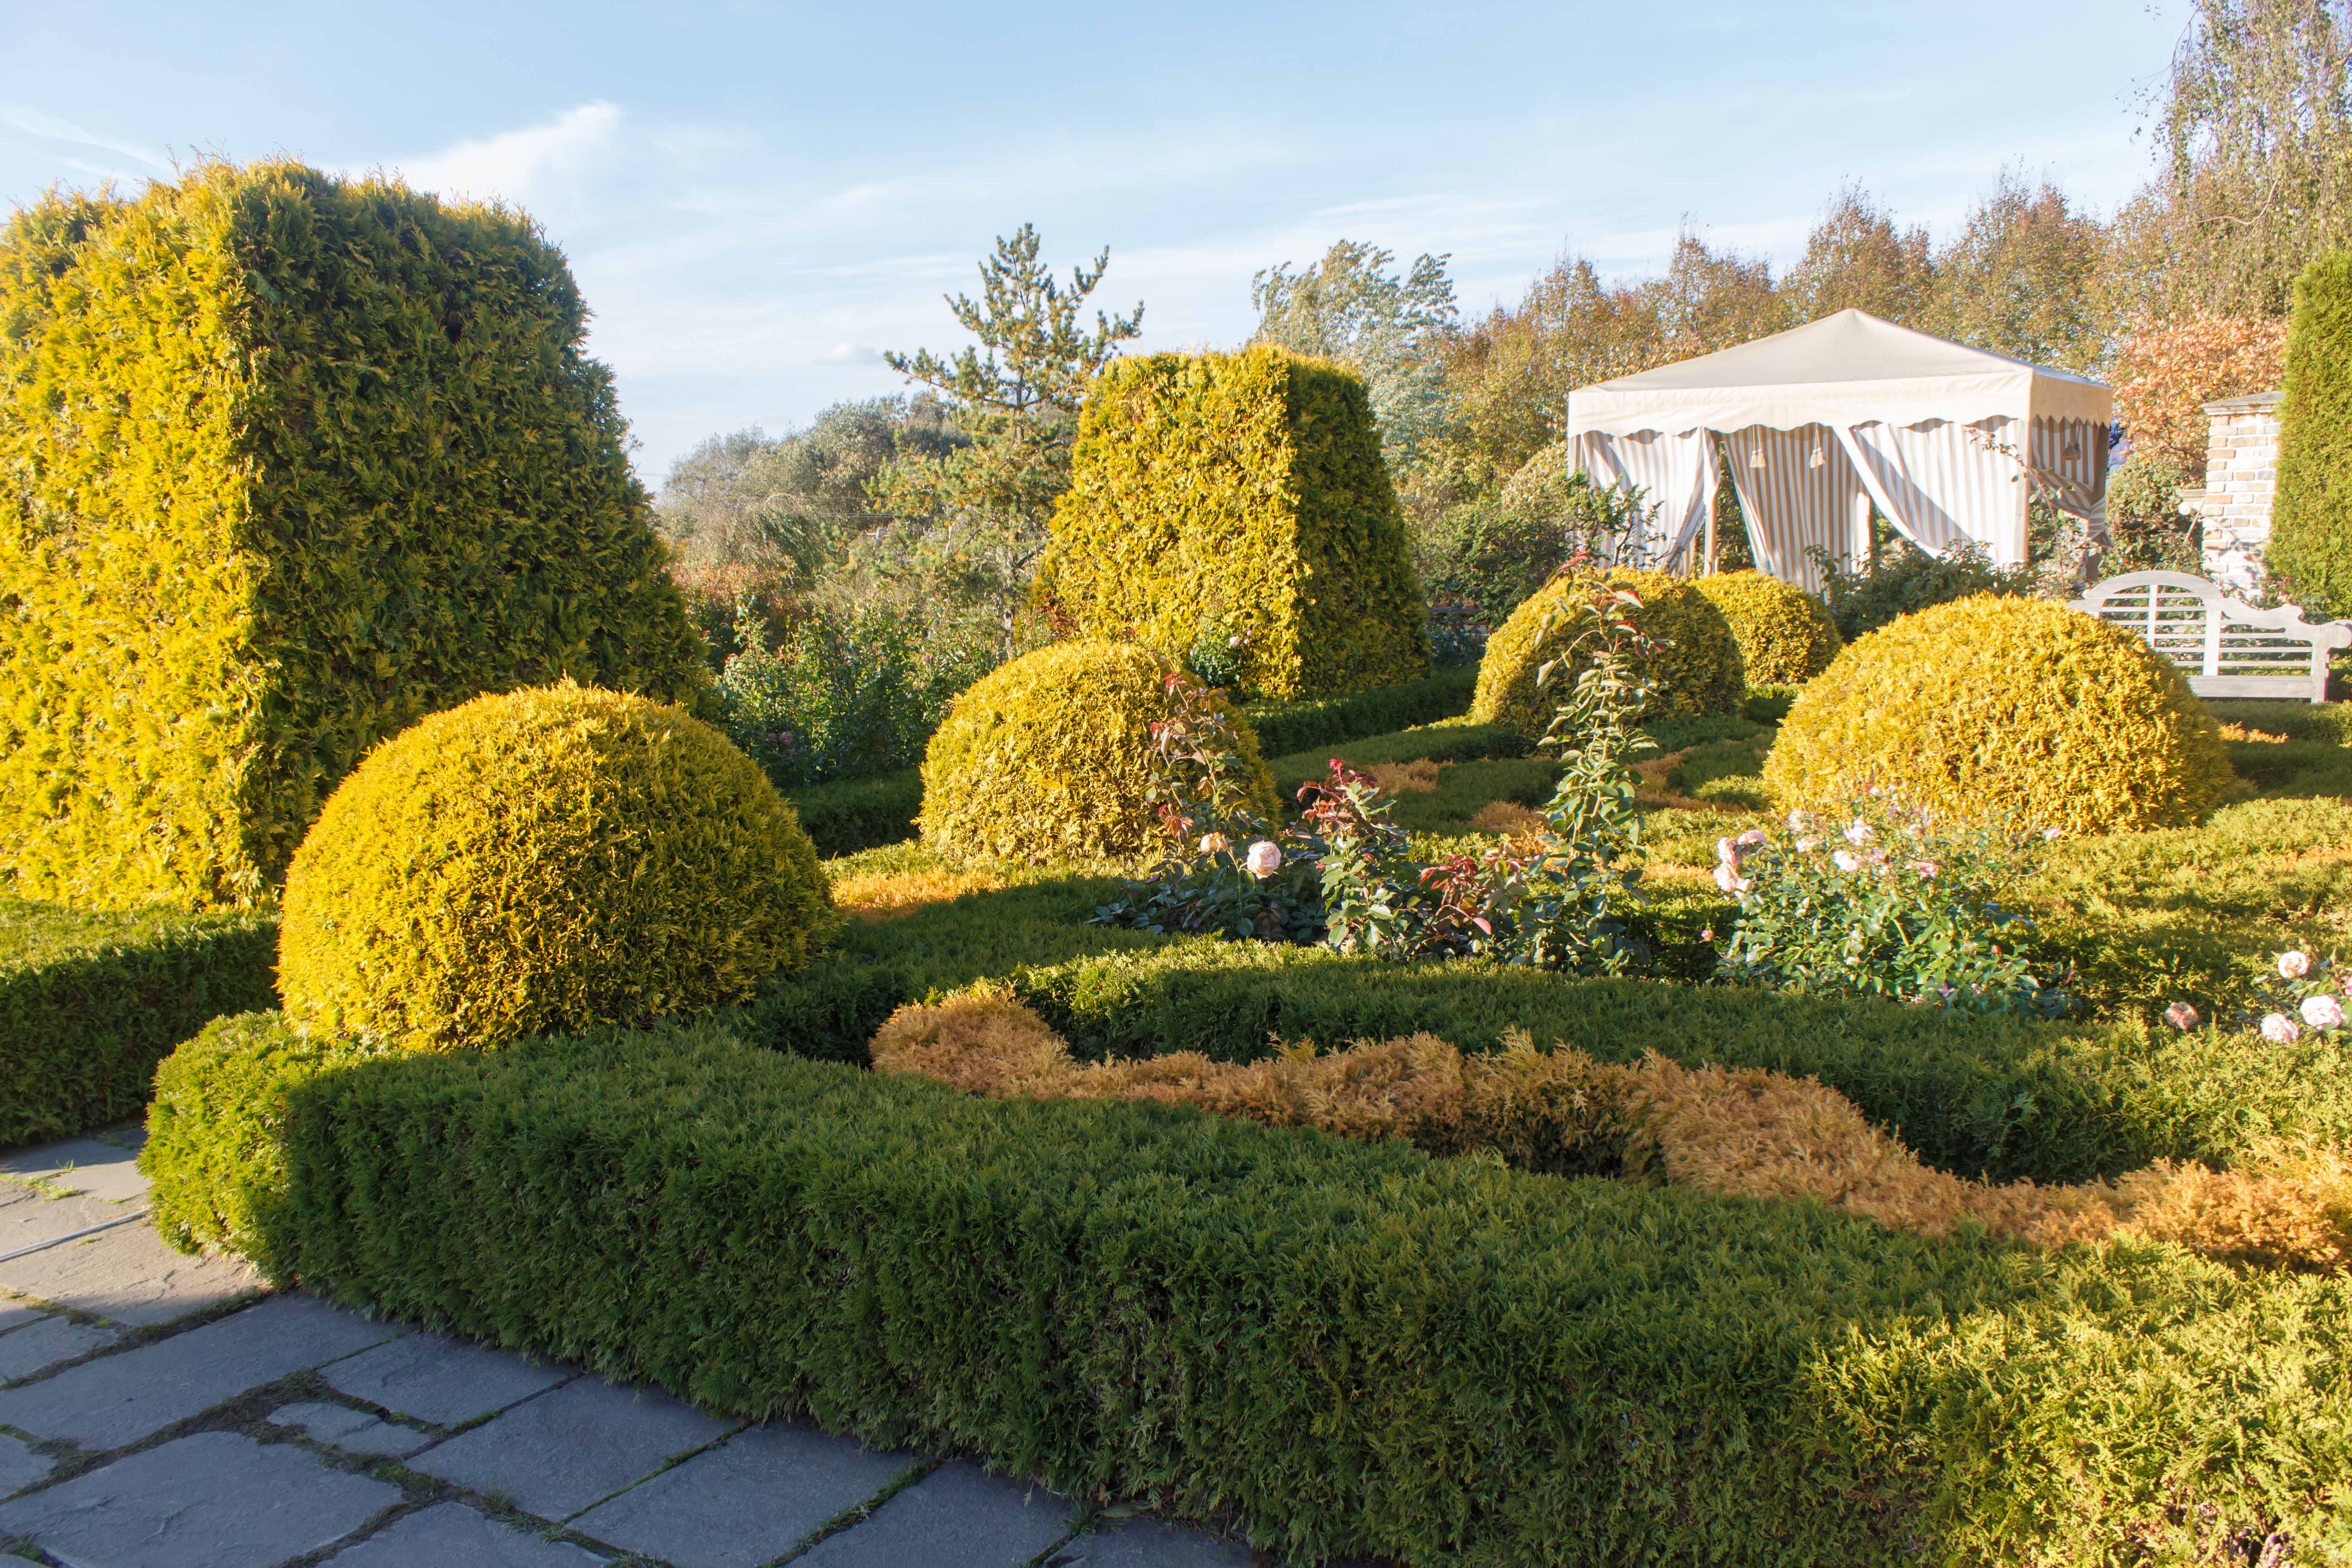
(2240, 478)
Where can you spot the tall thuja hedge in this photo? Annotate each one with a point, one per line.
(289, 462)
(2311, 527)
(1216, 497)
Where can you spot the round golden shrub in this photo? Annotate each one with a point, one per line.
(1044, 758)
(2019, 713)
(1700, 672)
(1785, 636)
(544, 862)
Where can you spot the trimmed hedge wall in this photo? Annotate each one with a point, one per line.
(2311, 527)
(90, 1001)
(1296, 726)
(1221, 496)
(849, 815)
(1332, 1347)
(295, 461)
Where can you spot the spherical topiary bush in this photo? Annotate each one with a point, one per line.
(544, 862)
(1785, 636)
(1045, 758)
(1698, 672)
(2010, 712)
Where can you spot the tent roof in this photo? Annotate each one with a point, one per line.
(1846, 369)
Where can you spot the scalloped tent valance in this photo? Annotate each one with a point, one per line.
(1822, 422)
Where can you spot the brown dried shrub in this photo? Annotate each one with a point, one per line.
(1727, 1131)
(1416, 777)
(890, 895)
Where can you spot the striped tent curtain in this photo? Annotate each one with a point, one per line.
(1799, 489)
(1941, 483)
(2070, 465)
(1676, 475)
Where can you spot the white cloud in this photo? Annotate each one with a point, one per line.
(850, 353)
(539, 168)
(49, 127)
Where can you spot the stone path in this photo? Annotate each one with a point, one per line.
(159, 1411)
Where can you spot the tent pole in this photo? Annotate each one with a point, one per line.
(1708, 570)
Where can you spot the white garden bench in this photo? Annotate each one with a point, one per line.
(2228, 648)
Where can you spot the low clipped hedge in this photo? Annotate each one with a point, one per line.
(849, 815)
(1313, 722)
(1329, 1347)
(90, 1002)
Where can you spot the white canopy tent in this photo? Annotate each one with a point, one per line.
(1822, 422)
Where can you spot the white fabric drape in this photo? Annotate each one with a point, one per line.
(1800, 491)
(1676, 475)
(1941, 483)
(2070, 463)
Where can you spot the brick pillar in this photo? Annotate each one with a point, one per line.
(2240, 478)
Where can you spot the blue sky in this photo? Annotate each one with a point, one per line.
(760, 198)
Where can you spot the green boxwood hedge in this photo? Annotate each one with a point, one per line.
(90, 1001)
(1311, 721)
(1328, 1347)
(849, 815)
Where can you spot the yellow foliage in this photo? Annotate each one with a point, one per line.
(1044, 758)
(1785, 636)
(2016, 712)
(890, 895)
(1416, 777)
(544, 862)
(1730, 1132)
(1698, 670)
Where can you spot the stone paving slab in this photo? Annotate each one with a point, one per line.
(446, 1382)
(19, 1466)
(119, 1399)
(353, 1431)
(128, 1275)
(570, 1448)
(27, 1216)
(47, 1343)
(105, 1170)
(454, 1536)
(212, 1501)
(1148, 1543)
(15, 1312)
(748, 1501)
(959, 1516)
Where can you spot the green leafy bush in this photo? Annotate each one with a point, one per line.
(1490, 554)
(2149, 529)
(545, 861)
(1239, 503)
(1694, 672)
(295, 461)
(2310, 549)
(846, 695)
(1785, 636)
(91, 1001)
(1911, 579)
(1536, 1370)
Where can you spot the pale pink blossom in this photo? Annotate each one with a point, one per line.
(1753, 836)
(2051, 835)
(1808, 844)
(1726, 853)
(2293, 964)
(1799, 820)
(1859, 832)
(1847, 860)
(1728, 877)
(2181, 1015)
(2280, 1030)
(1214, 843)
(1927, 870)
(1265, 858)
(2323, 1012)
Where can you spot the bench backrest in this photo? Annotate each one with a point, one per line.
(2227, 648)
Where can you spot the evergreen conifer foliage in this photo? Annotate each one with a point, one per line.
(292, 461)
(2311, 529)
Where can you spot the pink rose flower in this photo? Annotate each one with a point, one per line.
(2294, 965)
(1753, 836)
(1799, 820)
(1926, 870)
(1265, 858)
(1728, 877)
(2280, 1030)
(2323, 1012)
(1847, 860)
(1858, 832)
(2181, 1015)
(1213, 844)
(1808, 844)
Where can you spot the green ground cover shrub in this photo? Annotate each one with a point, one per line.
(1332, 1347)
(1697, 673)
(1307, 722)
(2310, 549)
(1910, 579)
(297, 461)
(849, 815)
(1234, 511)
(91, 1001)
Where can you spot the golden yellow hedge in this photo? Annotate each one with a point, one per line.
(544, 862)
(1785, 636)
(2011, 713)
(1045, 758)
(1242, 496)
(292, 461)
(1699, 672)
